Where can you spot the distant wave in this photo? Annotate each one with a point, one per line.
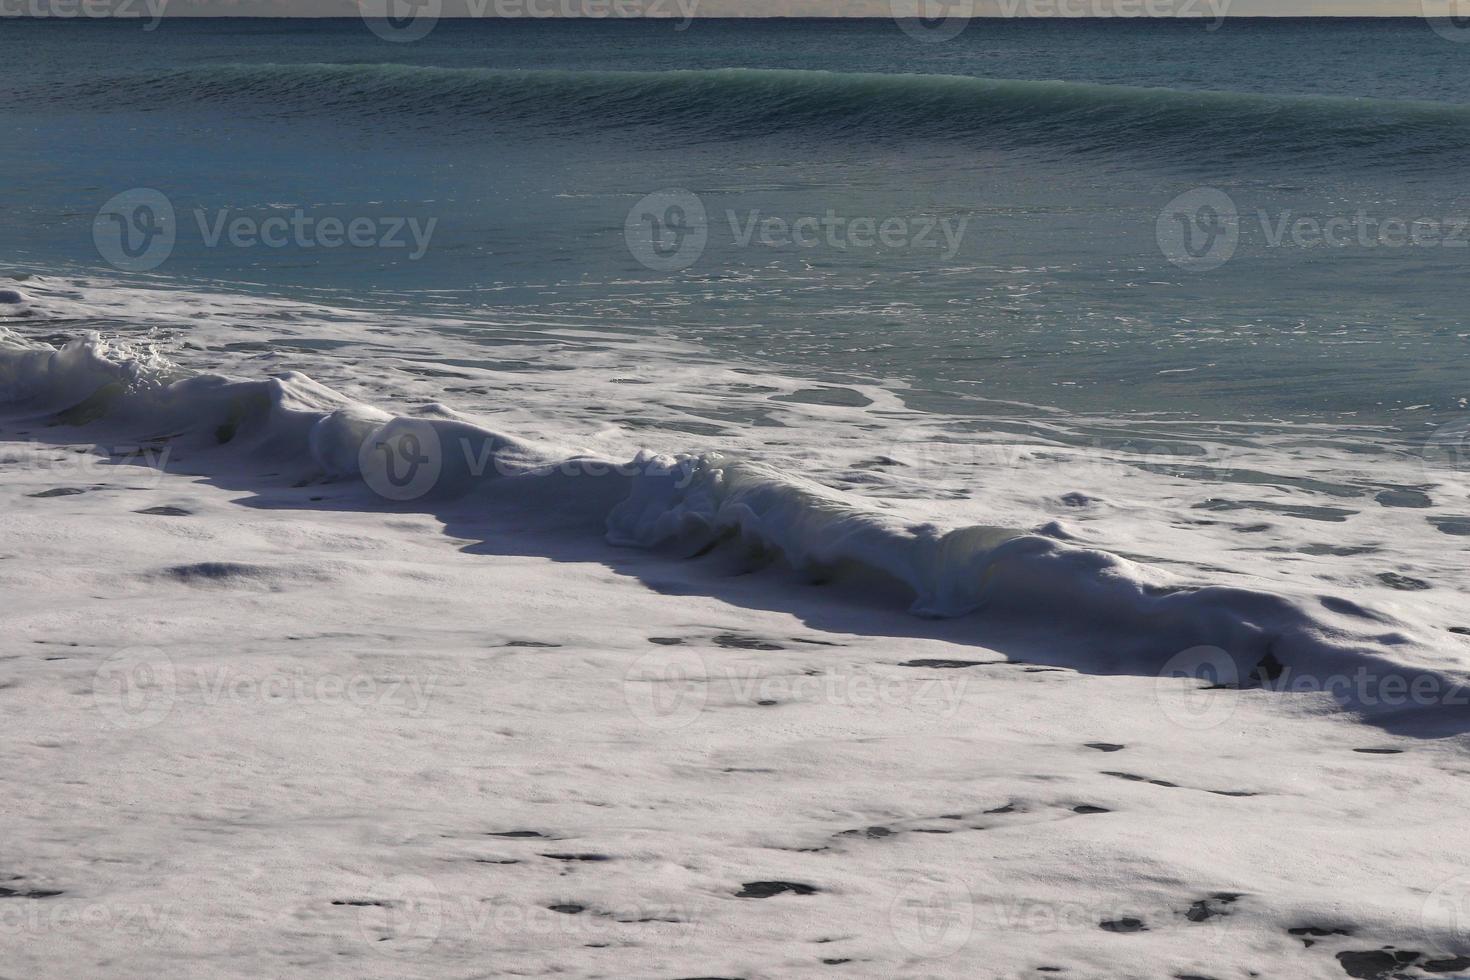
(736, 103)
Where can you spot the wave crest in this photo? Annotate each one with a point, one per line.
(1127, 616)
(734, 103)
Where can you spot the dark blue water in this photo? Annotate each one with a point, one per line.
(1325, 283)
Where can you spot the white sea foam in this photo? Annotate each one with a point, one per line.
(651, 608)
(1119, 614)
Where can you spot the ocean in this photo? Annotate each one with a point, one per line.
(1047, 151)
(573, 489)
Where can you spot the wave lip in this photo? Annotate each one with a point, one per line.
(1088, 608)
(731, 103)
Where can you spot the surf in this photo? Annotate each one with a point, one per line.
(741, 103)
(1124, 616)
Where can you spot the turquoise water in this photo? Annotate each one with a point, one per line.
(1050, 153)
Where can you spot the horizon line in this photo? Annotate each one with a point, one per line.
(734, 17)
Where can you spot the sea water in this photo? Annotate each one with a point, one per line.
(1042, 183)
(1108, 314)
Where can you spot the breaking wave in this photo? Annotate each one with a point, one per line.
(736, 103)
(1137, 618)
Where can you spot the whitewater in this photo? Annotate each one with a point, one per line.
(744, 618)
(466, 586)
